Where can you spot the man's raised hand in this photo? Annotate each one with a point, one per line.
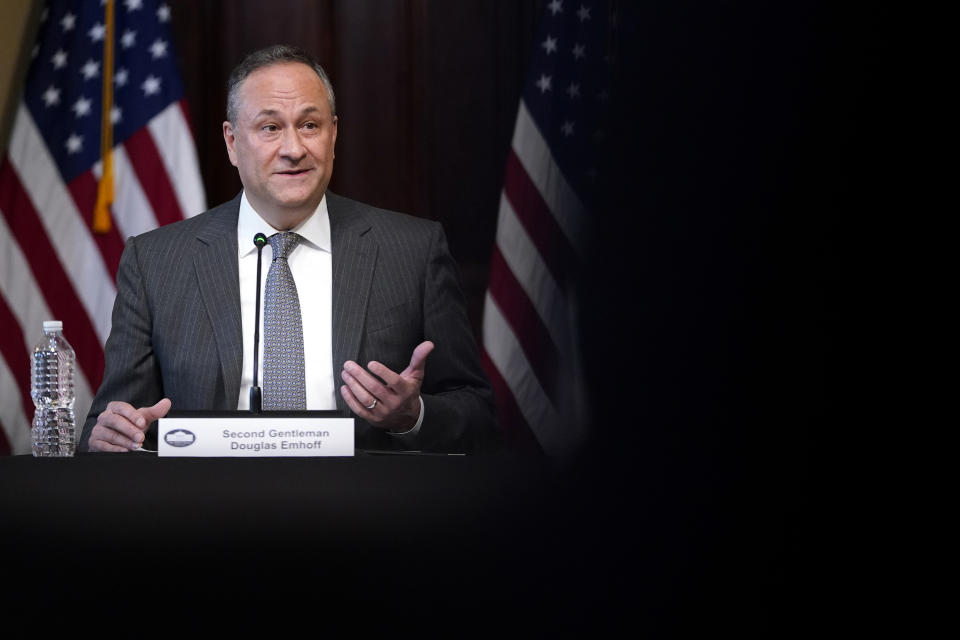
(393, 404)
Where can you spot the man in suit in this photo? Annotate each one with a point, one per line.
(351, 284)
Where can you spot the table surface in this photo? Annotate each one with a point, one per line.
(98, 495)
(438, 524)
(449, 539)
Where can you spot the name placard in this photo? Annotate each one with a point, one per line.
(255, 435)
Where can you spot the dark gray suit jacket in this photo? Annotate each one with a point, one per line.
(177, 332)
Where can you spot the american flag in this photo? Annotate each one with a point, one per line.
(530, 338)
(53, 265)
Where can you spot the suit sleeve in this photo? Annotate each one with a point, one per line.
(458, 400)
(131, 373)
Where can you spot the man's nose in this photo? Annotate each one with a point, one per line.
(291, 146)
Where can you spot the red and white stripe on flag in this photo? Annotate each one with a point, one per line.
(52, 265)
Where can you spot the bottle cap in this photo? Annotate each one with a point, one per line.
(53, 325)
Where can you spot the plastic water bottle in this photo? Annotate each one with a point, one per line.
(52, 392)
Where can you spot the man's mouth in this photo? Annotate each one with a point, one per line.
(294, 172)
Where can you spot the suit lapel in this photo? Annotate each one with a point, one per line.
(217, 268)
(354, 256)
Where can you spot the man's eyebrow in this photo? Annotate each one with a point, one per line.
(273, 112)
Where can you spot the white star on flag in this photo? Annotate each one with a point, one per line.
(151, 86)
(90, 70)
(97, 32)
(59, 59)
(550, 45)
(544, 83)
(128, 39)
(120, 77)
(573, 90)
(163, 13)
(583, 13)
(74, 143)
(578, 51)
(82, 107)
(68, 22)
(51, 96)
(555, 7)
(158, 49)
(133, 5)
(567, 128)
(115, 114)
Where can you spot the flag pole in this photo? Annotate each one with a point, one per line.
(101, 213)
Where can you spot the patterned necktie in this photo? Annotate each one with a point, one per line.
(283, 383)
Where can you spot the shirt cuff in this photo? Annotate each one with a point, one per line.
(415, 429)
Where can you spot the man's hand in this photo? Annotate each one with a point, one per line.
(122, 428)
(394, 405)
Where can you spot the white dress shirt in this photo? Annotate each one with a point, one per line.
(312, 267)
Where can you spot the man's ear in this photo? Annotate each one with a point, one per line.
(230, 140)
(336, 119)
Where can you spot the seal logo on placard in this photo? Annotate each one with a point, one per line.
(180, 438)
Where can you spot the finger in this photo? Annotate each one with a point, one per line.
(100, 445)
(119, 422)
(370, 384)
(418, 361)
(127, 411)
(106, 435)
(99, 440)
(392, 379)
(354, 404)
(112, 436)
(157, 411)
(359, 392)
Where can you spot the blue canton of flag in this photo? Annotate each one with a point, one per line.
(63, 89)
(567, 89)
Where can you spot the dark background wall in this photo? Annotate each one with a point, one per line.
(427, 94)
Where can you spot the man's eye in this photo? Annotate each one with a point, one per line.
(310, 125)
(270, 127)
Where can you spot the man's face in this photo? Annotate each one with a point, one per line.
(282, 144)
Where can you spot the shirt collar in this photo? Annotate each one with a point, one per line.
(315, 229)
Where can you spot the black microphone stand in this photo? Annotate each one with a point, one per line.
(255, 395)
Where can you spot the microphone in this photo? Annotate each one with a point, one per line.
(255, 396)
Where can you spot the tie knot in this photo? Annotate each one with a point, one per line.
(283, 243)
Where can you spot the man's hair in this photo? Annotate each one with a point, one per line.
(276, 54)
